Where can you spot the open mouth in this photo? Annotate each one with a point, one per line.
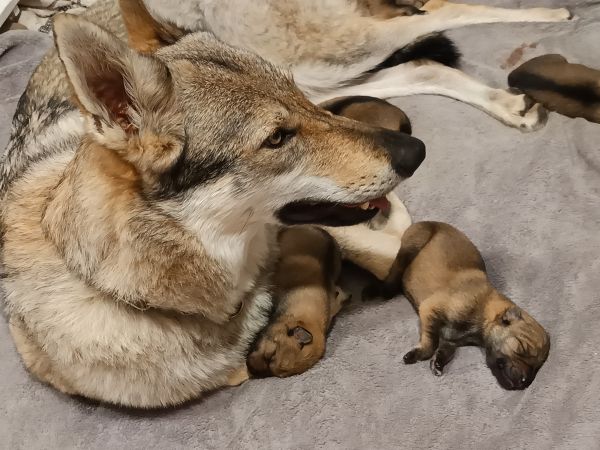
(332, 214)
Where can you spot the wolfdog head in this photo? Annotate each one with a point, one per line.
(216, 133)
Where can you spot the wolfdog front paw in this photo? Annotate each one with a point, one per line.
(518, 111)
(533, 118)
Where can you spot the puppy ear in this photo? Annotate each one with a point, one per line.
(511, 315)
(129, 97)
(146, 34)
(302, 335)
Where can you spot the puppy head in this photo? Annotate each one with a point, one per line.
(516, 348)
(285, 349)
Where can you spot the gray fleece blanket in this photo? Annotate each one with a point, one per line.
(531, 202)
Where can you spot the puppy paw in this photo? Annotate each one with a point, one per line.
(411, 357)
(414, 356)
(342, 296)
(238, 376)
(534, 118)
(437, 368)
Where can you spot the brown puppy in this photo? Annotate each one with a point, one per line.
(306, 299)
(310, 262)
(370, 110)
(443, 275)
(569, 89)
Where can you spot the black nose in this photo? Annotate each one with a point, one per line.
(407, 152)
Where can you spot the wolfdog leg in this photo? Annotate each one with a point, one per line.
(433, 78)
(442, 15)
(374, 246)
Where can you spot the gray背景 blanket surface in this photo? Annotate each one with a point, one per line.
(531, 202)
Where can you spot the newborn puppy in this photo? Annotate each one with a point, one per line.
(569, 89)
(370, 110)
(443, 275)
(306, 300)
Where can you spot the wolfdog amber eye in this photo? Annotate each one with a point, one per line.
(275, 139)
(278, 138)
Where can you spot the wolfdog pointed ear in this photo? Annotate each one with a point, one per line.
(128, 96)
(146, 34)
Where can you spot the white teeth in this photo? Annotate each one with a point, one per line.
(365, 206)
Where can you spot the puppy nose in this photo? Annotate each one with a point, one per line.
(407, 152)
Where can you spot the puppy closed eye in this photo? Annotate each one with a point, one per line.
(302, 335)
(279, 138)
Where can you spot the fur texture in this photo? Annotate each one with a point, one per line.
(151, 221)
(332, 47)
(443, 275)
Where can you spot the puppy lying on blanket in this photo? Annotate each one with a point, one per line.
(370, 110)
(307, 299)
(443, 275)
(569, 89)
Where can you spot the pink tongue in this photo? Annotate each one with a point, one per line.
(381, 203)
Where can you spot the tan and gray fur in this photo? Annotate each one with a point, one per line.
(332, 48)
(306, 299)
(306, 295)
(335, 47)
(376, 48)
(141, 197)
(443, 275)
(567, 88)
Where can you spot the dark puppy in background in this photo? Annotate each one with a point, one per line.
(370, 110)
(306, 300)
(443, 275)
(572, 90)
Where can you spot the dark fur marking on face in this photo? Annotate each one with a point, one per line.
(190, 171)
(586, 93)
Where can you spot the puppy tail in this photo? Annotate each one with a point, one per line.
(433, 47)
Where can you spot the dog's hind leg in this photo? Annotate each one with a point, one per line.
(436, 79)
(461, 14)
(442, 16)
